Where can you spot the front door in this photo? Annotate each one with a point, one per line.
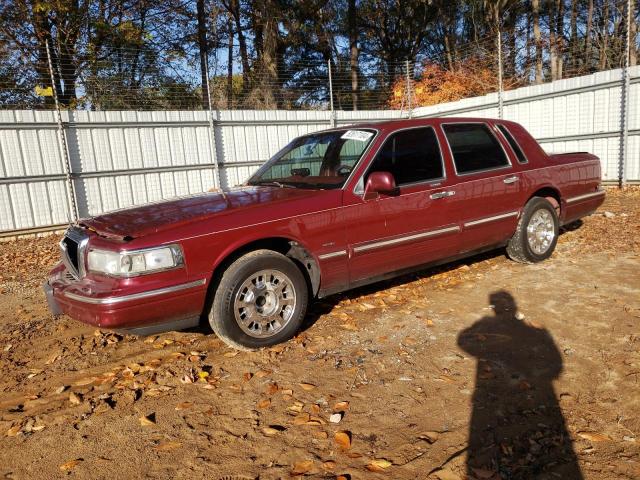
(388, 233)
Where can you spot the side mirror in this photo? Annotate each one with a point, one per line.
(380, 182)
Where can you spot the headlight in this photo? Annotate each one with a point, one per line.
(135, 262)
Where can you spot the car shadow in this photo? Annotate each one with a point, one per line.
(517, 429)
(323, 306)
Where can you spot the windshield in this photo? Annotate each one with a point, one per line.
(320, 160)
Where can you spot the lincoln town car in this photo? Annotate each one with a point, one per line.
(331, 211)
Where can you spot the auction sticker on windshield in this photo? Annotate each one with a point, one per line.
(358, 135)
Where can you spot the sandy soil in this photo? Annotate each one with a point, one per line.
(484, 369)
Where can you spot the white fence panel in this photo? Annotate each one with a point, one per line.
(120, 159)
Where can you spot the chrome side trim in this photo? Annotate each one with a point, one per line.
(492, 219)
(585, 196)
(134, 296)
(326, 256)
(393, 241)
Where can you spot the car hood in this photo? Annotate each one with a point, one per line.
(152, 218)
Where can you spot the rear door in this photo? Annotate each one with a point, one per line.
(488, 200)
(388, 233)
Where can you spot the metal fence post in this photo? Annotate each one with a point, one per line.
(408, 75)
(332, 119)
(624, 100)
(212, 131)
(500, 80)
(63, 145)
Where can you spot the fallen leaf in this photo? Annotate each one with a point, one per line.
(264, 403)
(273, 430)
(13, 431)
(315, 421)
(307, 386)
(343, 439)
(335, 418)
(231, 354)
(247, 376)
(262, 373)
(378, 465)
(164, 446)
(148, 420)
(296, 407)
(329, 465)
(320, 434)
(70, 465)
(341, 406)
(301, 419)
(75, 399)
(184, 406)
(302, 467)
(594, 436)
(429, 437)
(271, 388)
(349, 326)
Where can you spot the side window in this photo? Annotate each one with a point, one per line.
(474, 147)
(512, 142)
(410, 156)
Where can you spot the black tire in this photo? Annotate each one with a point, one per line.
(519, 248)
(223, 318)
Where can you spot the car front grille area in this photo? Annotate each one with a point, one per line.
(72, 248)
(71, 251)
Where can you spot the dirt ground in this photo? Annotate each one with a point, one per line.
(483, 369)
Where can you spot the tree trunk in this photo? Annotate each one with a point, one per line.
(559, 37)
(230, 63)
(633, 56)
(573, 42)
(537, 38)
(270, 55)
(353, 51)
(204, 52)
(553, 45)
(605, 36)
(588, 35)
(242, 43)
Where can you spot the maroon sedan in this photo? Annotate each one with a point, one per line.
(331, 211)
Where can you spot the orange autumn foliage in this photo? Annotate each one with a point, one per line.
(437, 85)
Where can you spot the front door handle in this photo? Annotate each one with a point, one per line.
(511, 179)
(436, 196)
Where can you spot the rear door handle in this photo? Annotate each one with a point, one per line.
(436, 196)
(511, 179)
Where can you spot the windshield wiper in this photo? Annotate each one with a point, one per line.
(274, 183)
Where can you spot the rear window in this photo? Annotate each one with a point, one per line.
(512, 142)
(474, 147)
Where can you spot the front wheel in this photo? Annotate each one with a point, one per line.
(537, 232)
(260, 301)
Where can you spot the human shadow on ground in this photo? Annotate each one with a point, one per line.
(517, 430)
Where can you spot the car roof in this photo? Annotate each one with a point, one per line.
(391, 125)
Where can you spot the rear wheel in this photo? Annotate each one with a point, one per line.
(260, 301)
(537, 232)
